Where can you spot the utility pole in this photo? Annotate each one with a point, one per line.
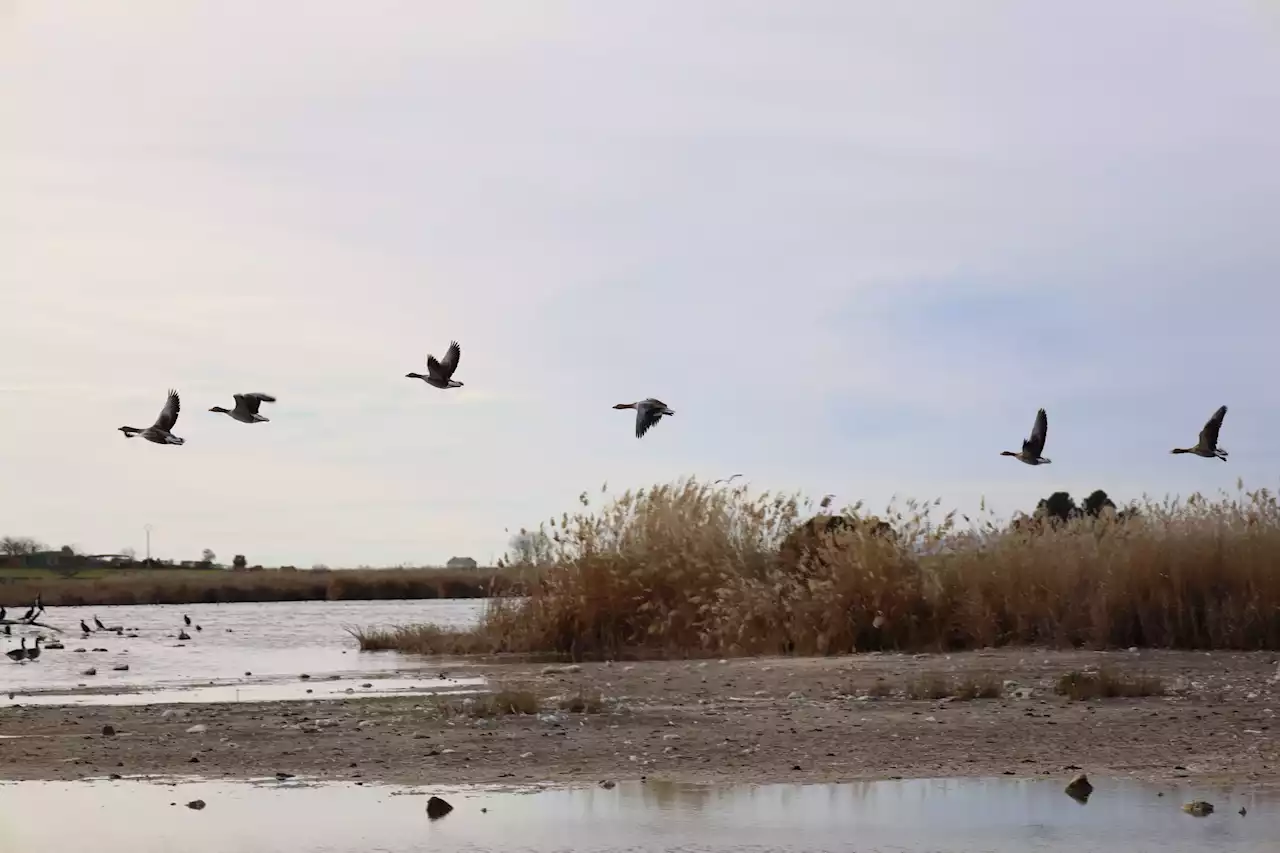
(147, 527)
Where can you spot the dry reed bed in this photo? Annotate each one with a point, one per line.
(686, 570)
(161, 587)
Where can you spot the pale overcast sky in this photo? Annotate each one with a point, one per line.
(854, 245)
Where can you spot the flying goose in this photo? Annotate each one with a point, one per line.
(1207, 446)
(1033, 446)
(159, 431)
(34, 653)
(648, 412)
(246, 410)
(440, 373)
(727, 480)
(20, 653)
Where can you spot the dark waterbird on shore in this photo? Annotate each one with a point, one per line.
(18, 654)
(84, 628)
(159, 432)
(186, 619)
(2, 612)
(440, 373)
(34, 653)
(246, 410)
(1207, 446)
(1033, 446)
(98, 622)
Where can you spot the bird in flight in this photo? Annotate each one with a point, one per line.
(440, 373)
(1033, 446)
(159, 432)
(648, 412)
(1207, 446)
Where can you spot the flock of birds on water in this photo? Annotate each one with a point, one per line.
(22, 654)
(440, 375)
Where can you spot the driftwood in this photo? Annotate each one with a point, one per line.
(32, 624)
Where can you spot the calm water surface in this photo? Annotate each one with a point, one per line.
(275, 641)
(956, 816)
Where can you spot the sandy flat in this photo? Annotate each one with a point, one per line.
(746, 720)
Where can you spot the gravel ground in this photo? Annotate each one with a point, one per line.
(748, 720)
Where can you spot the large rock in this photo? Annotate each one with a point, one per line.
(1079, 788)
(437, 808)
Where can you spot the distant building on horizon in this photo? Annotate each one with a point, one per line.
(460, 563)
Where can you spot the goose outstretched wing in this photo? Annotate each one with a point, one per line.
(444, 369)
(169, 414)
(1209, 435)
(1034, 445)
(249, 403)
(647, 415)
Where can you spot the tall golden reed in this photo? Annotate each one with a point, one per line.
(687, 569)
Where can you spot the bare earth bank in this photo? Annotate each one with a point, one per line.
(753, 720)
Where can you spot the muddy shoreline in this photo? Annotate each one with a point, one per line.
(757, 720)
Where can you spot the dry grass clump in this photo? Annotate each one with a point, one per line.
(688, 569)
(1107, 683)
(500, 704)
(423, 640)
(583, 703)
(933, 686)
(163, 586)
(978, 687)
(928, 686)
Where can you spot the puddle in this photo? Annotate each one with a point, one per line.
(948, 816)
(262, 692)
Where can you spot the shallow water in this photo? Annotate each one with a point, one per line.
(275, 641)
(956, 816)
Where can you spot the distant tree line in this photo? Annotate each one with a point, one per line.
(1061, 508)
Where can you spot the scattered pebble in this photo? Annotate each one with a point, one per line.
(196, 805)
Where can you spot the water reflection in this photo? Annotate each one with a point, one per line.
(937, 815)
